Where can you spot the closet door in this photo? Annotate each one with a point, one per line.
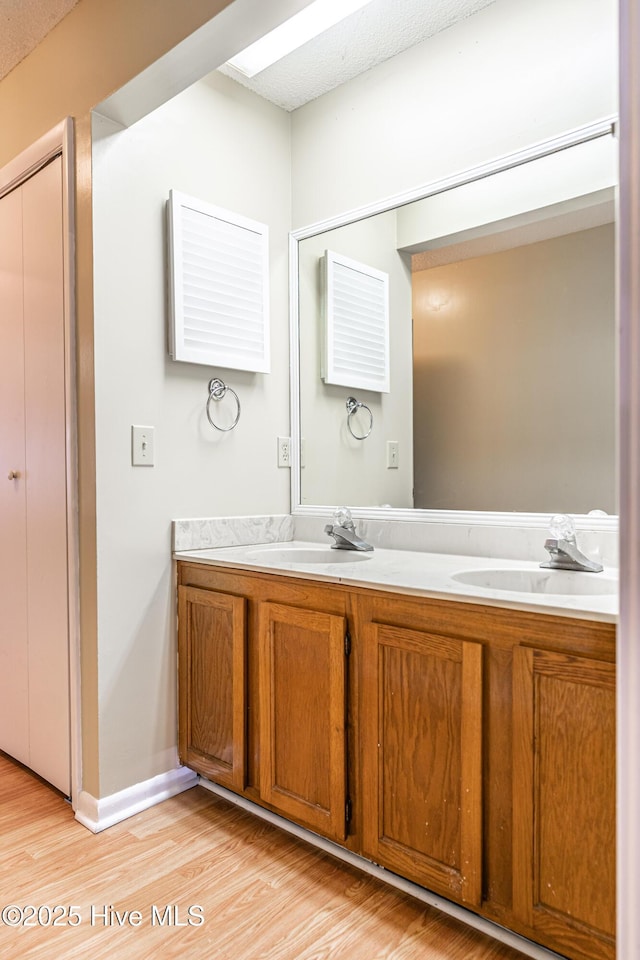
(34, 635)
(14, 698)
(46, 483)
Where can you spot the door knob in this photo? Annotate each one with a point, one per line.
(13, 474)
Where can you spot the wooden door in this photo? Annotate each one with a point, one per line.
(422, 758)
(303, 750)
(212, 684)
(564, 800)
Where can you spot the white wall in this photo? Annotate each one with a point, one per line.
(511, 75)
(221, 143)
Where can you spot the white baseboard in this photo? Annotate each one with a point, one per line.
(97, 815)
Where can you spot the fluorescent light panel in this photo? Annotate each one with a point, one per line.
(293, 33)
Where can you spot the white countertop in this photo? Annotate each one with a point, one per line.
(420, 574)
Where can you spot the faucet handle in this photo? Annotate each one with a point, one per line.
(342, 518)
(562, 527)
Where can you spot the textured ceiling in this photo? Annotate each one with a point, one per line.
(377, 32)
(23, 24)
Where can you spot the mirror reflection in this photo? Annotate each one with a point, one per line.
(501, 353)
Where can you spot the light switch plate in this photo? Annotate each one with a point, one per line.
(393, 454)
(142, 446)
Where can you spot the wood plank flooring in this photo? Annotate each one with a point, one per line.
(262, 893)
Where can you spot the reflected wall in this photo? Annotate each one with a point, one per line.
(514, 378)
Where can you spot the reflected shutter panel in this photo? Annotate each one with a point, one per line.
(356, 324)
(219, 286)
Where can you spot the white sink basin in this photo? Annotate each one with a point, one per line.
(561, 582)
(307, 555)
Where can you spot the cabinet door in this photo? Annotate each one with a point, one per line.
(422, 764)
(564, 800)
(302, 667)
(212, 682)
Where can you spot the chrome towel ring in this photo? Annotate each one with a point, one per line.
(217, 390)
(353, 406)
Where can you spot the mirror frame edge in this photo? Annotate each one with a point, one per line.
(602, 128)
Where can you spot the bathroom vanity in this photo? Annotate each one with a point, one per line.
(458, 735)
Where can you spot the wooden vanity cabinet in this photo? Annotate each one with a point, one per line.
(303, 715)
(212, 684)
(488, 762)
(422, 757)
(564, 832)
(263, 691)
(468, 748)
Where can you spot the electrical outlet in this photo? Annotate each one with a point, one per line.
(142, 446)
(284, 451)
(393, 454)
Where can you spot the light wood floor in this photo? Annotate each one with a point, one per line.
(263, 893)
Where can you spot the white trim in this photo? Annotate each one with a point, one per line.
(467, 517)
(73, 526)
(34, 157)
(493, 930)
(98, 814)
(59, 141)
(602, 128)
(543, 148)
(628, 682)
(294, 375)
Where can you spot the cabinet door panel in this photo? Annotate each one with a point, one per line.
(212, 652)
(302, 715)
(422, 758)
(564, 799)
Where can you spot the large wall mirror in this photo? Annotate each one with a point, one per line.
(501, 305)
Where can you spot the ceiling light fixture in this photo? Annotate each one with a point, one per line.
(293, 33)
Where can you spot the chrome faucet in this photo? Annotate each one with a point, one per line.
(344, 533)
(563, 548)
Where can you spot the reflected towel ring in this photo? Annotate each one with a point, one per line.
(352, 406)
(217, 390)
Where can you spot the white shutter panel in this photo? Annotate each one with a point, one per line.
(219, 286)
(356, 324)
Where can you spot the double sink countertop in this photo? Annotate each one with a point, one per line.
(516, 584)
